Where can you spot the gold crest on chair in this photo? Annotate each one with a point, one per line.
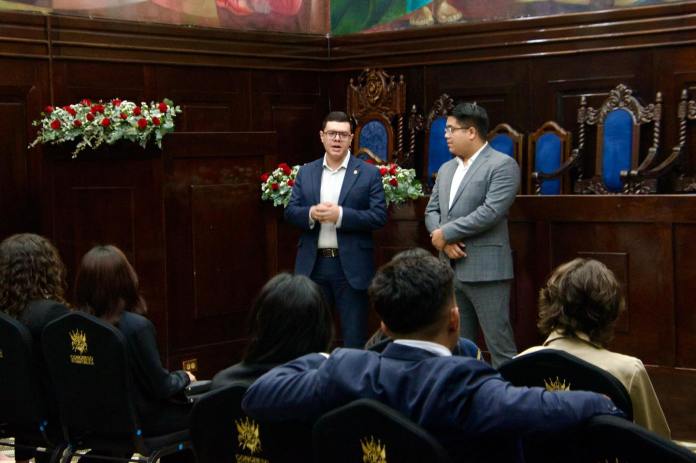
(248, 435)
(78, 343)
(555, 385)
(373, 450)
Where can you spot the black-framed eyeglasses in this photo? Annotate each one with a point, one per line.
(332, 134)
(450, 129)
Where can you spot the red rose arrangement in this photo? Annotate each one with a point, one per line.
(92, 124)
(277, 185)
(400, 184)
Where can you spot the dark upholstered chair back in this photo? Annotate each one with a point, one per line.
(609, 438)
(89, 368)
(558, 370)
(21, 400)
(221, 431)
(366, 430)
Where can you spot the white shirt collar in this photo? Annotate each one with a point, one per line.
(344, 164)
(471, 160)
(435, 348)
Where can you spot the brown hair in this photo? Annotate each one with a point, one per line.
(581, 296)
(30, 269)
(107, 285)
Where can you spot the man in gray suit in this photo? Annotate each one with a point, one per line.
(467, 221)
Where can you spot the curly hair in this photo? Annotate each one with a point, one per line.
(581, 296)
(30, 269)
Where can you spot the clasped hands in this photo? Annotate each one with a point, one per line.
(453, 250)
(326, 212)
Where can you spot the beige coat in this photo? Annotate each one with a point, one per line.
(629, 370)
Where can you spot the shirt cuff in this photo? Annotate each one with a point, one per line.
(311, 220)
(340, 217)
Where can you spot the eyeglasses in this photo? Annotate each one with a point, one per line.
(449, 130)
(332, 134)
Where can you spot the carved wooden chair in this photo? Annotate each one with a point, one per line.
(377, 105)
(618, 120)
(548, 149)
(637, 180)
(507, 140)
(436, 151)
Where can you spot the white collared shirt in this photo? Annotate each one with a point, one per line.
(435, 348)
(462, 169)
(331, 183)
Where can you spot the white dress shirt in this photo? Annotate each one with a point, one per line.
(331, 183)
(462, 169)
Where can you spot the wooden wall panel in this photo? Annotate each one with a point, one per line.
(684, 278)
(216, 241)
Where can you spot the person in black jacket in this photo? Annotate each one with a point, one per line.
(290, 318)
(106, 286)
(32, 288)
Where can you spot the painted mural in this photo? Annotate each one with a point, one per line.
(338, 17)
(300, 16)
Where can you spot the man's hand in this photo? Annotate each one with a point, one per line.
(192, 378)
(438, 239)
(455, 250)
(325, 212)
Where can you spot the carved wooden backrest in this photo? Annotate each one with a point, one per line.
(548, 150)
(618, 121)
(376, 101)
(507, 140)
(436, 151)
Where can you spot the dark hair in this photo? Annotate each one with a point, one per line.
(30, 269)
(337, 116)
(107, 285)
(581, 296)
(411, 253)
(472, 115)
(290, 318)
(410, 292)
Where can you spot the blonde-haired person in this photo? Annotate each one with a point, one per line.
(32, 288)
(578, 308)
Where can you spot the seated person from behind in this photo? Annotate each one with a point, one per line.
(106, 286)
(290, 318)
(578, 308)
(379, 340)
(32, 285)
(463, 402)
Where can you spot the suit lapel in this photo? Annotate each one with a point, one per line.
(315, 180)
(447, 176)
(480, 160)
(352, 174)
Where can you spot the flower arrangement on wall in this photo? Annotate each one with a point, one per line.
(92, 124)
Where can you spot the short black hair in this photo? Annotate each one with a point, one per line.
(290, 318)
(337, 116)
(472, 115)
(410, 292)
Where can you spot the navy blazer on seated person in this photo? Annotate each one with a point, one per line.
(364, 210)
(463, 402)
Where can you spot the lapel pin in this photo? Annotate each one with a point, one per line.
(355, 172)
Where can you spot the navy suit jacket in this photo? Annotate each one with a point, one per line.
(364, 210)
(463, 402)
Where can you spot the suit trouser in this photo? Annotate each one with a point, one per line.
(487, 303)
(350, 303)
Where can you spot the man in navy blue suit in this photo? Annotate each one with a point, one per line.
(463, 402)
(338, 201)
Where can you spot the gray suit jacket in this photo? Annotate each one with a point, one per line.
(478, 216)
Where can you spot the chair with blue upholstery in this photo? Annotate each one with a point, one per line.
(507, 140)
(618, 121)
(548, 150)
(376, 102)
(436, 151)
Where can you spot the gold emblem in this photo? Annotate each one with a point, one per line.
(78, 339)
(248, 435)
(556, 385)
(373, 450)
